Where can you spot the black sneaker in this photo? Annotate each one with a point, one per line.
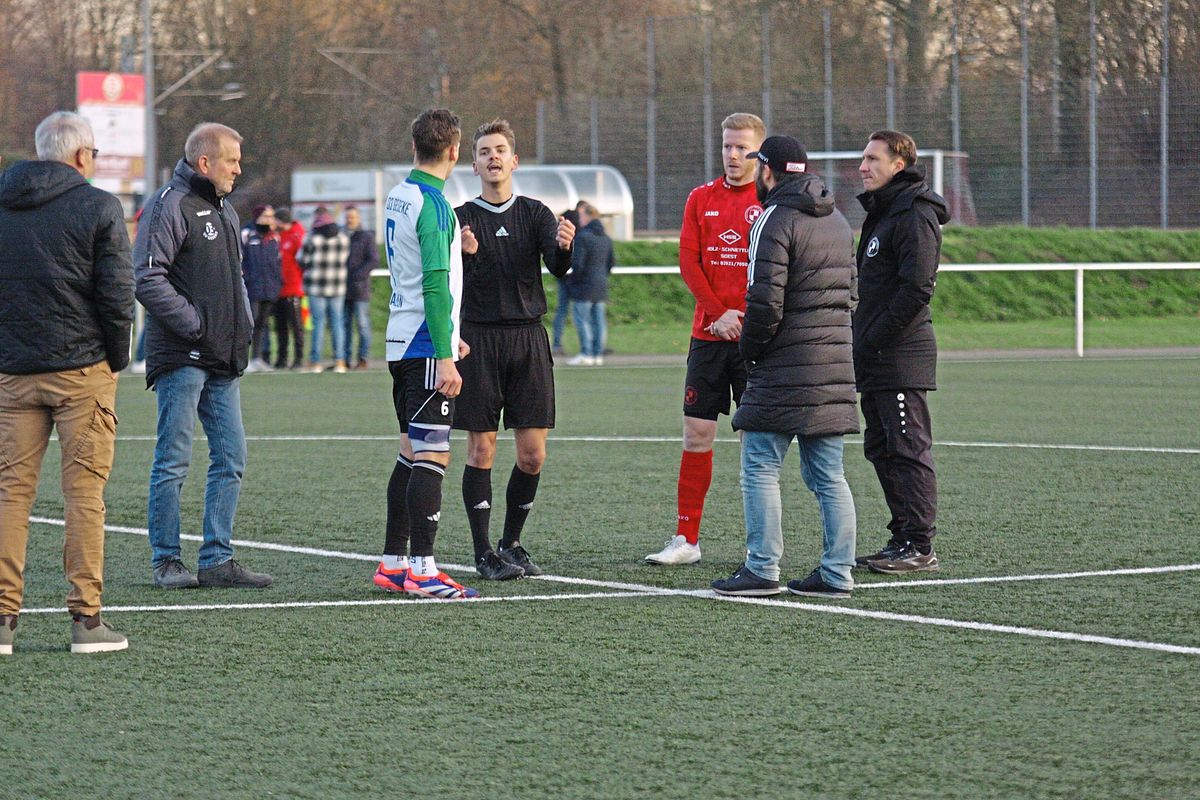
(232, 575)
(519, 556)
(910, 559)
(745, 583)
(889, 550)
(494, 568)
(172, 574)
(815, 586)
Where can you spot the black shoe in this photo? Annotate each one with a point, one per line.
(519, 556)
(559, 350)
(910, 559)
(815, 586)
(232, 575)
(892, 548)
(745, 583)
(494, 568)
(172, 574)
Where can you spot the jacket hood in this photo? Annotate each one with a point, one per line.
(805, 193)
(908, 185)
(595, 226)
(30, 184)
(328, 230)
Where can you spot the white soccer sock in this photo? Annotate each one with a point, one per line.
(395, 562)
(424, 566)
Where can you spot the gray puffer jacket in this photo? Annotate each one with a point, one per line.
(796, 335)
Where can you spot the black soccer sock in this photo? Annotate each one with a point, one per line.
(477, 497)
(395, 541)
(424, 505)
(518, 500)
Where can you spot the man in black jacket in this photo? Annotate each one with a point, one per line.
(189, 277)
(895, 352)
(66, 305)
(797, 342)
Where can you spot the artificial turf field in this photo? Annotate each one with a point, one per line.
(611, 678)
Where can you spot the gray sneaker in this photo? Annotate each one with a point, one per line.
(94, 635)
(172, 574)
(8, 629)
(233, 575)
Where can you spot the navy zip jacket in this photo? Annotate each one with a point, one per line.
(187, 259)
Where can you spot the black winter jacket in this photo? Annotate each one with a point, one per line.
(66, 281)
(587, 281)
(187, 259)
(364, 257)
(898, 252)
(796, 334)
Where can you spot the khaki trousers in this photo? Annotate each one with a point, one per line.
(79, 403)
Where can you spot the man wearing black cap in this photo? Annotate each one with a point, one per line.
(797, 342)
(895, 352)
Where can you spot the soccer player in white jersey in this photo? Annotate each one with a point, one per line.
(424, 253)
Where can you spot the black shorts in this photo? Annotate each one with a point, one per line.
(424, 413)
(715, 373)
(509, 369)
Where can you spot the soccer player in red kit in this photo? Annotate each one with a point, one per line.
(713, 258)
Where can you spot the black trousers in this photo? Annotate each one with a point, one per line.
(898, 442)
(288, 319)
(260, 344)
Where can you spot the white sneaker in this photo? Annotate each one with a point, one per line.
(581, 361)
(138, 367)
(677, 551)
(598, 361)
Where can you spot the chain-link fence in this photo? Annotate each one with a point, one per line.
(1108, 147)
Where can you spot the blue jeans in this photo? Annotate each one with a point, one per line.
(358, 315)
(821, 468)
(333, 310)
(182, 394)
(560, 313)
(591, 325)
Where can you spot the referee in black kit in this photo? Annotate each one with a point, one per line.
(505, 238)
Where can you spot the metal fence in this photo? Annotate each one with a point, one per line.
(1110, 150)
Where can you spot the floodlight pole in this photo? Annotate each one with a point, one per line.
(151, 166)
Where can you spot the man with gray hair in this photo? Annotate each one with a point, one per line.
(66, 307)
(189, 277)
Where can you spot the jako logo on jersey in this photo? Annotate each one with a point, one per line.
(210, 232)
(730, 236)
(712, 213)
(502, 232)
(753, 213)
(203, 213)
(873, 247)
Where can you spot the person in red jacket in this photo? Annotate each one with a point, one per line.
(291, 297)
(713, 247)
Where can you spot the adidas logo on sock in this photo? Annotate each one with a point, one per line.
(482, 505)
(434, 517)
(526, 506)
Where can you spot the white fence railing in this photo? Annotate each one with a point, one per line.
(1078, 269)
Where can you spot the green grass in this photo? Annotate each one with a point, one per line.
(675, 697)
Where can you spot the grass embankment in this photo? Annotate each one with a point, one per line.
(972, 310)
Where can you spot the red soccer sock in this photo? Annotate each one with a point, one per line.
(695, 476)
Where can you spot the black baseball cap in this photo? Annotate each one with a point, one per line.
(783, 154)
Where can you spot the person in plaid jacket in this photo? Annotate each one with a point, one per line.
(324, 259)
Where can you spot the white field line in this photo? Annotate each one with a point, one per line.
(1051, 576)
(988, 627)
(1190, 451)
(391, 601)
(642, 590)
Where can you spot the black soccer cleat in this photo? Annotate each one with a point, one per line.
(493, 568)
(519, 556)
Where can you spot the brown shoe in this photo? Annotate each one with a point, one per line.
(8, 627)
(362, 364)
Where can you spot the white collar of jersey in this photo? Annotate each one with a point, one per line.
(500, 209)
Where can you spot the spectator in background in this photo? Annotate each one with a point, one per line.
(364, 257)
(66, 306)
(323, 260)
(262, 272)
(564, 300)
(289, 318)
(589, 286)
